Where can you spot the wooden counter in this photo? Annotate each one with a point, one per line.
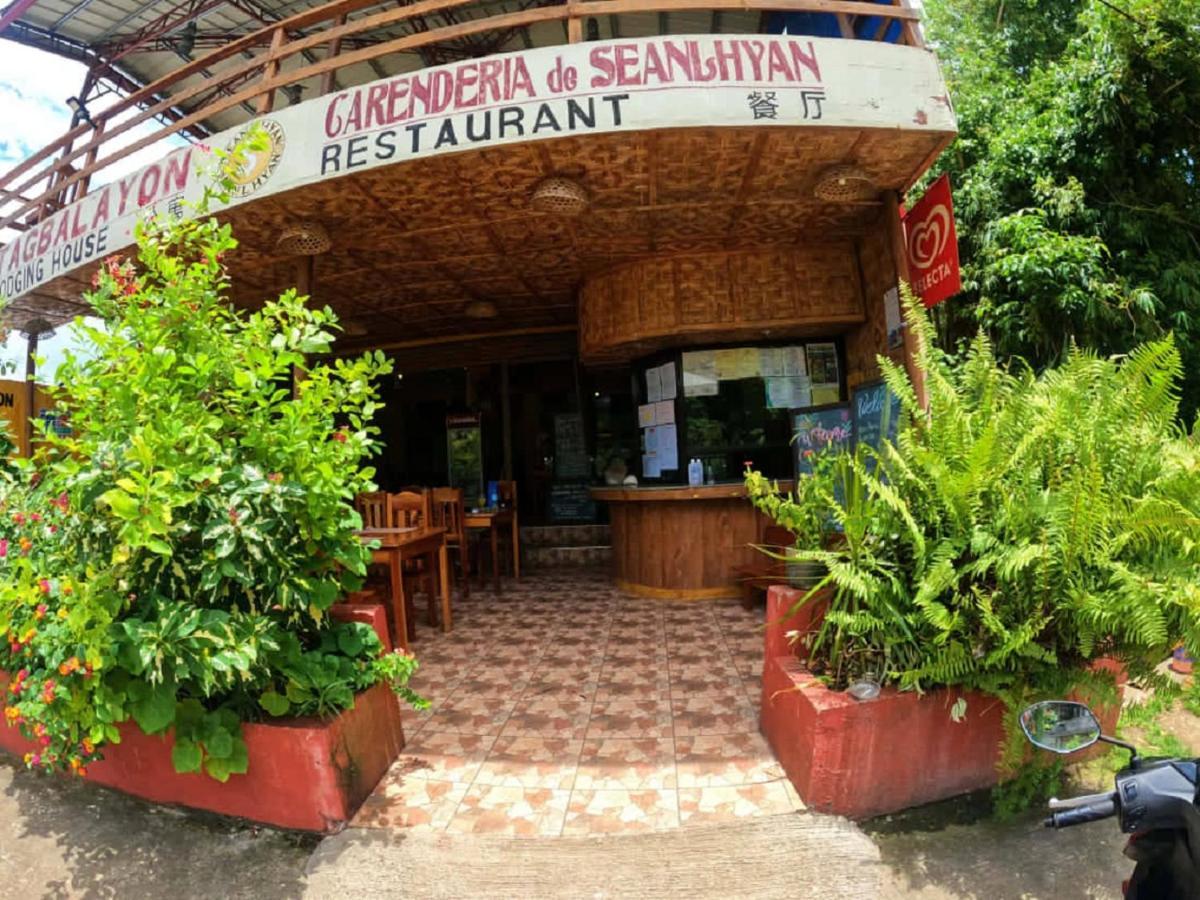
(681, 543)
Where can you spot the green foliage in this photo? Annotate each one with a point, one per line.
(1077, 189)
(1018, 529)
(173, 559)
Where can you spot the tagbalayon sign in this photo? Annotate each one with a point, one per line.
(548, 92)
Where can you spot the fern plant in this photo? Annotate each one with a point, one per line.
(1020, 526)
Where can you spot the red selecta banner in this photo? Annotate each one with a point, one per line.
(932, 245)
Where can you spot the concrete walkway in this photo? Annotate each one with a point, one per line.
(64, 839)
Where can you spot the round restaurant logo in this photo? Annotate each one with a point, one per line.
(928, 239)
(260, 165)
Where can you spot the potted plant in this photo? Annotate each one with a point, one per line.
(1019, 530)
(170, 564)
(802, 515)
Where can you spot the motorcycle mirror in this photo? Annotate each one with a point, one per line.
(1060, 726)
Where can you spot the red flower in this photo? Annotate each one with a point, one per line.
(61, 501)
(35, 517)
(19, 518)
(3, 547)
(44, 584)
(340, 436)
(233, 516)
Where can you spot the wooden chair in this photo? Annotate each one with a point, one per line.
(410, 509)
(508, 499)
(448, 513)
(373, 507)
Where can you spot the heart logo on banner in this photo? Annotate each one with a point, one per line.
(928, 239)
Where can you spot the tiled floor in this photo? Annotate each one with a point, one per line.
(566, 707)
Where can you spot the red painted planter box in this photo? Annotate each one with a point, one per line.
(867, 758)
(308, 774)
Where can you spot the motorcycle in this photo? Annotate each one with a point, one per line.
(1154, 801)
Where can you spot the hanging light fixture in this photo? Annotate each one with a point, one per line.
(845, 184)
(304, 239)
(37, 328)
(559, 196)
(79, 112)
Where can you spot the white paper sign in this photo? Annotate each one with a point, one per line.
(653, 385)
(664, 412)
(667, 377)
(645, 415)
(668, 448)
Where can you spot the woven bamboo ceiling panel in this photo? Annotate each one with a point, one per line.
(414, 243)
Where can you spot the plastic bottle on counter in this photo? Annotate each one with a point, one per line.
(695, 472)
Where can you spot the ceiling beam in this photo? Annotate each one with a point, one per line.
(119, 78)
(13, 11)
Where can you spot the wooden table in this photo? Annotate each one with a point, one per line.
(493, 520)
(395, 546)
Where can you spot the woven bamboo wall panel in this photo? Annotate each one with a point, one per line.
(866, 342)
(731, 296)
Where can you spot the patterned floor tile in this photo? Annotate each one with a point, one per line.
(532, 762)
(621, 811)
(725, 760)
(471, 715)
(414, 803)
(627, 764)
(730, 714)
(515, 811)
(549, 717)
(444, 756)
(709, 805)
(630, 718)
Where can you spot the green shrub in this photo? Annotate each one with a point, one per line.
(1021, 527)
(173, 559)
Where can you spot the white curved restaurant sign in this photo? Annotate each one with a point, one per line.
(632, 85)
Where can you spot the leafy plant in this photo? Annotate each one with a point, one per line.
(1018, 529)
(1075, 174)
(174, 557)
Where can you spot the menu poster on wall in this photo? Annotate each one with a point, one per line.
(891, 314)
(823, 373)
(668, 448)
(645, 415)
(736, 363)
(700, 374)
(770, 361)
(666, 374)
(570, 447)
(794, 363)
(664, 412)
(788, 393)
(653, 385)
(650, 440)
(650, 467)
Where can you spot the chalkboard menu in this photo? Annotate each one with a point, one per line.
(571, 502)
(570, 447)
(876, 414)
(815, 431)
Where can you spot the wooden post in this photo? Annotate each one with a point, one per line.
(335, 48)
(574, 30)
(89, 159)
(26, 436)
(270, 69)
(506, 421)
(891, 214)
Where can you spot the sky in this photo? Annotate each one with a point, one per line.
(34, 87)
